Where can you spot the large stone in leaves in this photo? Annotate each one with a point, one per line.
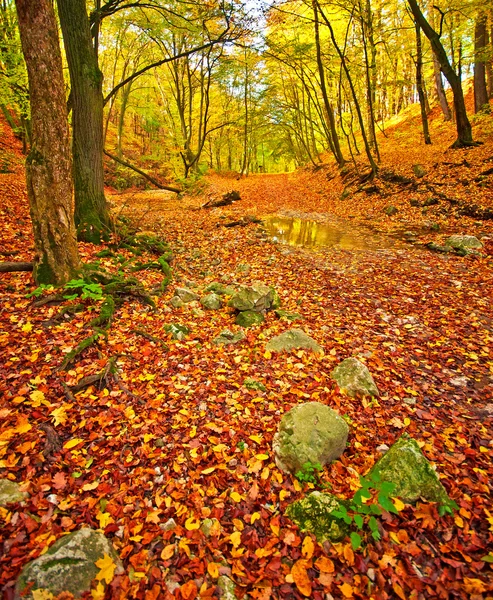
(69, 565)
(186, 295)
(211, 301)
(258, 297)
(353, 377)
(309, 433)
(249, 318)
(407, 468)
(313, 513)
(464, 242)
(10, 492)
(293, 339)
(227, 337)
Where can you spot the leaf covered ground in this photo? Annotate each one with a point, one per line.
(177, 434)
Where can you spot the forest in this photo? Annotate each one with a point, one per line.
(246, 299)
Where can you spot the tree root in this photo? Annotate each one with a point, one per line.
(9, 267)
(79, 349)
(109, 369)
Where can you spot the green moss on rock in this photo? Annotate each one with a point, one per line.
(406, 466)
(249, 318)
(293, 339)
(313, 513)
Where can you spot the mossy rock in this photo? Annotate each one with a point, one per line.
(407, 468)
(309, 433)
(289, 316)
(68, 566)
(186, 295)
(313, 513)
(464, 242)
(257, 297)
(220, 289)
(354, 378)
(293, 339)
(211, 301)
(253, 384)
(227, 337)
(177, 331)
(10, 492)
(249, 318)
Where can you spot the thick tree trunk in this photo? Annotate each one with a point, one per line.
(48, 165)
(481, 103)
(464, 130)
(420, 86)
(91, 210)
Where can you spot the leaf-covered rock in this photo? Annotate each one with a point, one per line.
(258, 297)
(289, 316)
(309, 433)
(406, 466)
(227, 337)
(69, 565)
(464, 242)
(220, 289)
(211, 301)
(293, 339)
(313, 513)
(249, 318)
(354, 378)
(10, 492)
(186, 295)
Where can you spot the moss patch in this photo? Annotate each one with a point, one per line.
(314, 514)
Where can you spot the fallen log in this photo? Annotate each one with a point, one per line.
(9, 267)
(226, 200)
(140, 172)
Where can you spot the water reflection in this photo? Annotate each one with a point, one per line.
(309, 234)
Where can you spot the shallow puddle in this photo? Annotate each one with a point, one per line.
(310, 234)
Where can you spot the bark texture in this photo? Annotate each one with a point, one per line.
(420, 85)
(481, 103)
(48, 165)
(91, 210)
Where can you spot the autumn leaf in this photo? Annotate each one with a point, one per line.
(72, 443)
(213, 569)
(189, 590)
(308, 547)
(300, 577)
(60, 481)
(106, 569)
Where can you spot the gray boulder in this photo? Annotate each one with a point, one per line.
(407, 468)
(309, 433)
(419, 171)
(177, 302)
(293, 339)
(68, 566)
(227, 337)
(10, 492)
(249, 318)
(211, 302)
(464, 243)
(220, 289)
(353, 377)
(186, 295)
(258, 297)
(313, 513)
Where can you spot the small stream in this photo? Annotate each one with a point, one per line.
(306, 233)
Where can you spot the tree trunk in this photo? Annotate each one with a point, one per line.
(420, 86)
(91, 210)
(464, 130)
(49, 164)
(481, 103)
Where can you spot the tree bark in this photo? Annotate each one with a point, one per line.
(481, 103)
(49, 164)
(464, 130)
(92, 217)
(420, 86)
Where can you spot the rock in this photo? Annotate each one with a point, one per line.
(313, 513)
(430, 202)
(211, 301)
(68, 566)
(382, 449)
(419, 171)
(227, 587)
(309, 433)
(220, 289)
(406, 466)
(253, 384)
(186, 295)
(178, 332)
(390, 211)
(243, 268)
(353, 377)
(249, 318)
(414, 202)
(177, 302)
(438, 248)
(289, 316)
(227, 337)
(257, 297)
(293, 339)
(10, 492)
(464, 243)
(168, 526)
(409, 401)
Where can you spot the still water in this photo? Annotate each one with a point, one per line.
(310, 234)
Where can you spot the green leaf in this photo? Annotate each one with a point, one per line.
(387, 487)
(355, 540)
(373, 524)
(386, 503)
(375, 509)
(358, 519)
(488, 558)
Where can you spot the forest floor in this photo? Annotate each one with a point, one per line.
(178, 435)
